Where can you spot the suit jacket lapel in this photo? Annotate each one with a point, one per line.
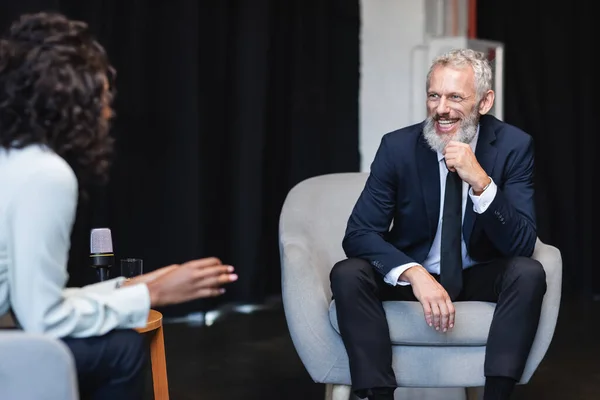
(486, 156)
(429, 178)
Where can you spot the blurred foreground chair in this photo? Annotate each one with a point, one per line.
(35, 367)
(312, 224)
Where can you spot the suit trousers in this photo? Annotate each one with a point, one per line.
(517, 285)
(111, 366)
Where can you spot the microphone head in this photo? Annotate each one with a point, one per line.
(101, 241)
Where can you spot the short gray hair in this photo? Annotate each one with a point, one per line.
(459, 58)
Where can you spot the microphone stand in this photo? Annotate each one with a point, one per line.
(102, 263)
(103, 273)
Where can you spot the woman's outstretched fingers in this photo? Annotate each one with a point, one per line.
(202, 262)
(211, 271)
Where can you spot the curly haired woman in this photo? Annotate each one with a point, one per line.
(56, 88)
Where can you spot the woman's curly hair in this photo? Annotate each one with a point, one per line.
(56, 90)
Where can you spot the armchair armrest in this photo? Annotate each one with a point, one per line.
(36, 367)
(551, 259)
(306, 297)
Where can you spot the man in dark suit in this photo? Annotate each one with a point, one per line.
(447, 214)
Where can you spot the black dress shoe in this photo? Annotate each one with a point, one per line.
(386, 396)
(381, 394)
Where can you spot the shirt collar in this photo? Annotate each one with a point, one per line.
(473, 144)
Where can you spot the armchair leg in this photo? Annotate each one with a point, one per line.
(474, 393)
(337, 392)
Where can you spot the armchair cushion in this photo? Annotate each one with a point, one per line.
(408, 327)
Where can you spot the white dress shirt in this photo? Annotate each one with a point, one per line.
(38, 201)
(480, 204)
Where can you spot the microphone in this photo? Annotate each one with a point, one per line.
(101, 252)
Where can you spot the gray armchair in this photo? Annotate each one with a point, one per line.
(35, 367)
(312, 224)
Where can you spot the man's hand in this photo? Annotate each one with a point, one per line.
(192, 280)
(437, 306)
(460, 158)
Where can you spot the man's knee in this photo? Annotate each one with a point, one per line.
(529, 273)
(349, 273)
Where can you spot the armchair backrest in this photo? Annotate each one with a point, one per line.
(310, 214)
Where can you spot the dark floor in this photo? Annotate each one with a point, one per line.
(251, 356)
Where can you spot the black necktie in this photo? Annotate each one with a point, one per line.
(450, 256)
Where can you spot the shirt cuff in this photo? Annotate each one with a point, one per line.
(131, 303)
(393, 277)
(134, 301)
(483, 201)
(99, 287)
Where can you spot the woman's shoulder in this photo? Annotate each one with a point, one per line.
(37, 160)
(36, 165)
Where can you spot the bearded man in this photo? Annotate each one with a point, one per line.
(446, 215)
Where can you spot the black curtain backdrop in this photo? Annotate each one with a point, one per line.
(551, 93)
(222, 107)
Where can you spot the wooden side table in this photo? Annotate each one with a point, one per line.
(158, 359)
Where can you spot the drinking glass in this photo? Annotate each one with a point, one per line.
(131, 267)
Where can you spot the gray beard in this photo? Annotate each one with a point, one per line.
(465, 134)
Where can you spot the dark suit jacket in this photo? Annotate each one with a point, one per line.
(404, 187)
